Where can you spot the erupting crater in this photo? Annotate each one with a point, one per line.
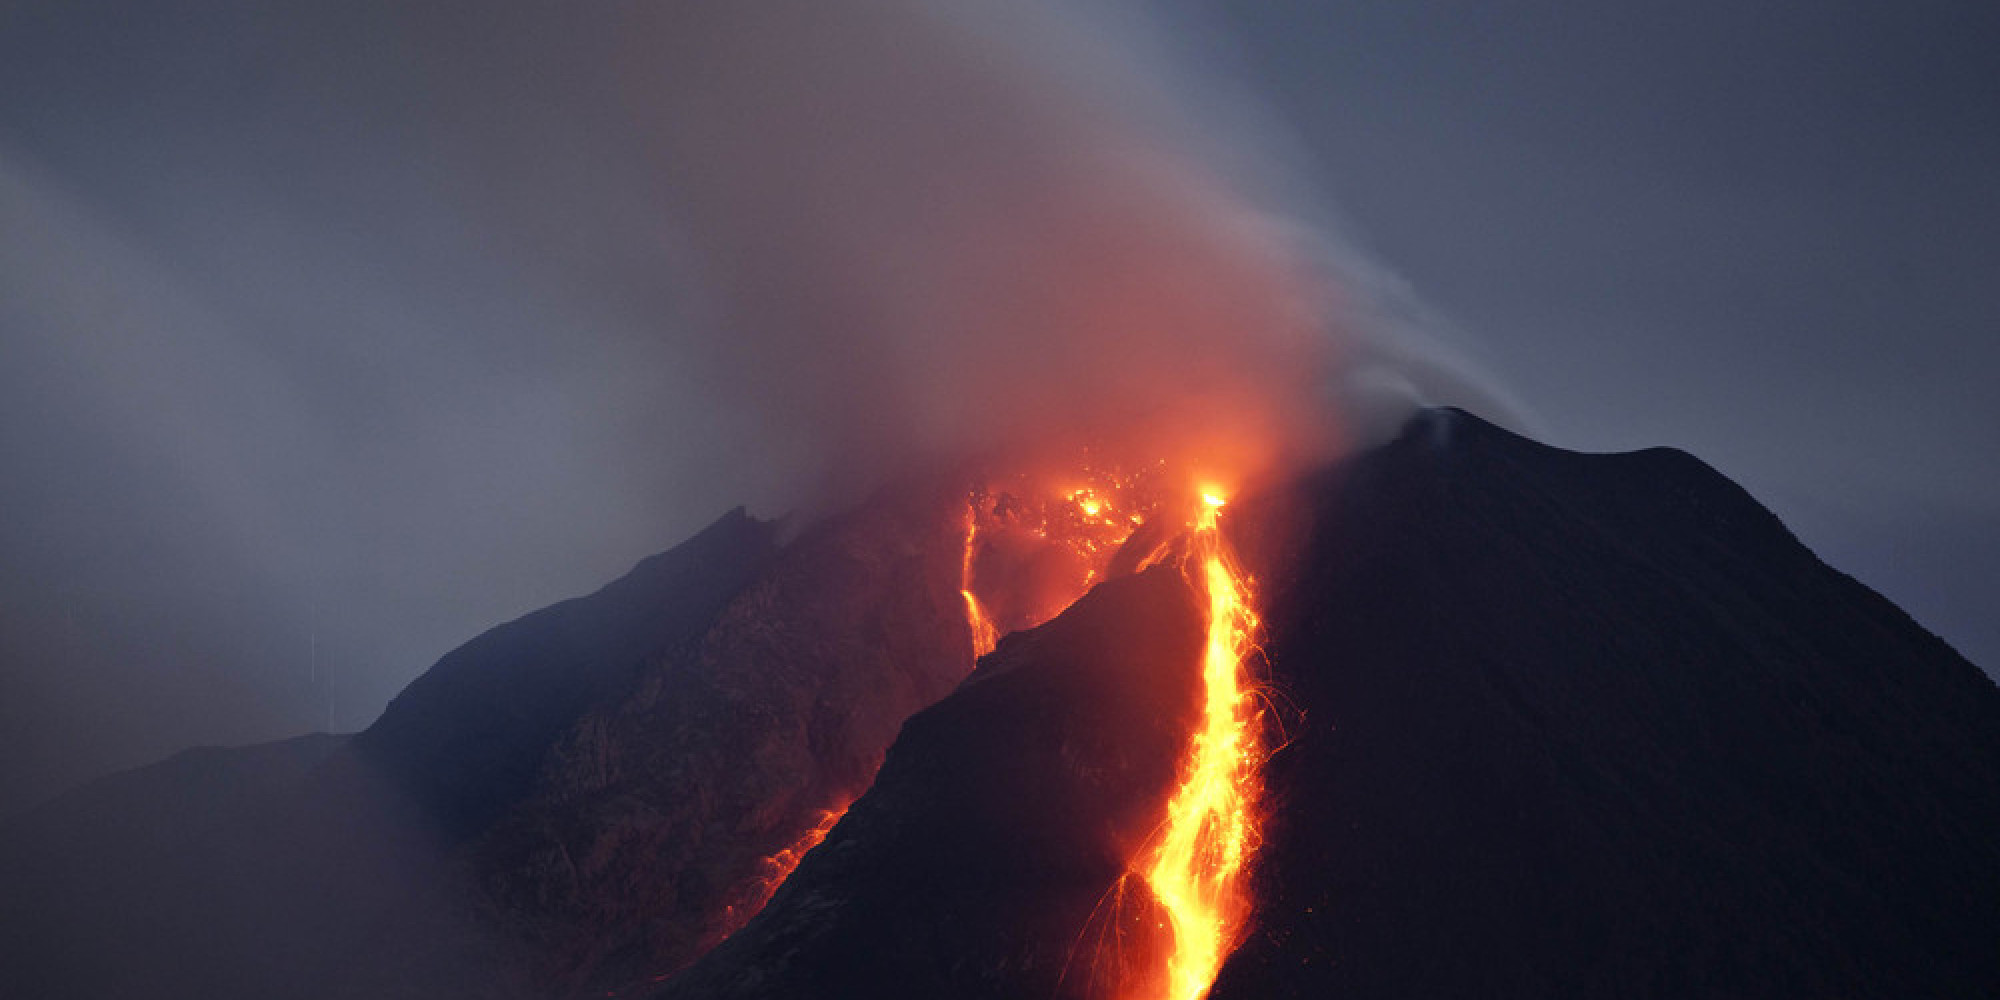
(1033, 546)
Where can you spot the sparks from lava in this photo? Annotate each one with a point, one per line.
(1197, 868)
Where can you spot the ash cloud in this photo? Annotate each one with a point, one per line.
(934, 230)
(336, 334)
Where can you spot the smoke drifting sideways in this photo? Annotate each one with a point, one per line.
(339, 333)
(928, 231)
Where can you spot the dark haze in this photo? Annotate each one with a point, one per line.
(334, 334)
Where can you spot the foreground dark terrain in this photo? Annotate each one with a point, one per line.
(1554, 724)
(1600, 726)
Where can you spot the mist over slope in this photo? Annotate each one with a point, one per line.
(339, 333)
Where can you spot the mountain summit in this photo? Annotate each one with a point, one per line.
(1590, 725)
(1547, 724)
(1557, 725)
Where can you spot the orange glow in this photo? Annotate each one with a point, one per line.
(1197, 869)
(775, 869)
(1032, 547)
(984, 635)
(1034, 544)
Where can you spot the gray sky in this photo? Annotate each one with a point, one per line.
(1766, 233)
(333, 334)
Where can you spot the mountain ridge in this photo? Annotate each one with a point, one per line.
(1568, 724)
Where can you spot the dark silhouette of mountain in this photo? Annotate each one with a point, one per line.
(1557, 724)
(571, 799)
(1567, 725)
(997, 824)
(656, 810)
(1595, 725)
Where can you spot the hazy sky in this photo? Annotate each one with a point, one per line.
(333, 334)
(1765, 233)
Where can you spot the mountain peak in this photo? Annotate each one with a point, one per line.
(1556, 724)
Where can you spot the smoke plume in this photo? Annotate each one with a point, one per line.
(937, 230)
(340, 332)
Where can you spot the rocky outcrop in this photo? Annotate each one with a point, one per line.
(651, 816)
(467, 739)
(569, 803)
(1556, 725)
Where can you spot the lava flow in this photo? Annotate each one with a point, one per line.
(1032, 547)
(1197, 868)
(775, 869)
(1040, 549)
(984, 635)
(1196, 863)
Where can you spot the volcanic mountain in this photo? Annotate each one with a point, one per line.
(1544, 724)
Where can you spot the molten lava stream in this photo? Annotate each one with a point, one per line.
(984, 634)
(1197, 869)
(775, 869)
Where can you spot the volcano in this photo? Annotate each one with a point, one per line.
(1537, 723)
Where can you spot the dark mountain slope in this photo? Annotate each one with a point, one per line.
(70, 864)
(575, 794)
(655, 811)
(999, 823)
(1569, 726)
(1572, 725)
(323, 866)
(180, 797)
(466, 738)
(1598, 725)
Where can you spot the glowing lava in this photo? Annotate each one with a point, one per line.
(1065, 538)
(1030, 549)
(1196, 864)
(984, 635)
(1197, 869)
(775, 869)
(1033, 544)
